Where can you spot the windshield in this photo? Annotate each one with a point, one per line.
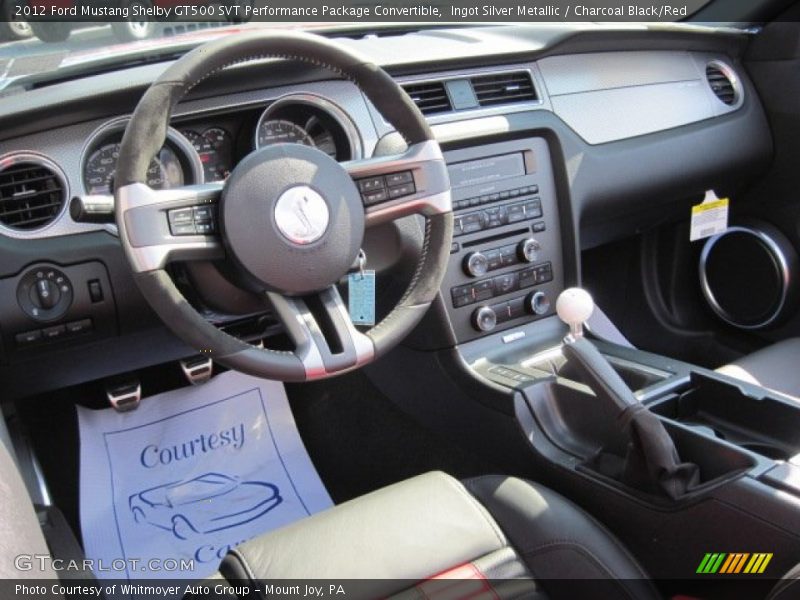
(46, 40)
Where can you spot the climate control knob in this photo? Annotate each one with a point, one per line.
(528, 250)
(484, 319)
(538, 303)
(476, 264)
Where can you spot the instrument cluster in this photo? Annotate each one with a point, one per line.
(204, 150)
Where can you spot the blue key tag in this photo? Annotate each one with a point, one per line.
(361, 297)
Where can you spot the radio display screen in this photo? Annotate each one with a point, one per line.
(486, 170)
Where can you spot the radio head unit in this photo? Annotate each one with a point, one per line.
(506, 265)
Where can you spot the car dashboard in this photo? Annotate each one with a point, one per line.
(558, 139)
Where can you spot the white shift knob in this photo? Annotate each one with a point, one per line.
(574, 306)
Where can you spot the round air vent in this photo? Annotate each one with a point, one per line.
(33, 191)
(747, 275)
(723, 82)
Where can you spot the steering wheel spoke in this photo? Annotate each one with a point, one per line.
(320, 327)
(412, 183)
(165, 226)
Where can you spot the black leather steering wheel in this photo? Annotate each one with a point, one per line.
(290, 219)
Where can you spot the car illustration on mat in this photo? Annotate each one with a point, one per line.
(204, 504)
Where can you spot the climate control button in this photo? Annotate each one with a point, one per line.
(538, 303)
(484, 319)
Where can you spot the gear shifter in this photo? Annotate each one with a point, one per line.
(652, 463)
(574, 306)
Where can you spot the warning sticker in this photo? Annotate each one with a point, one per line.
(709, 218)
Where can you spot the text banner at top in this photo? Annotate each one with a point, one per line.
(332, 11)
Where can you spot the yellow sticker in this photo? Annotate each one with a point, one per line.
(709, 217)
(723, 203)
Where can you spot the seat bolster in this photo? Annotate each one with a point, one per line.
(774, 367)
(559, 541)
(408, 531)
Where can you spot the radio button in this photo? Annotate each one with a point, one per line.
(476, 264)
(528, 250)
(495, 259)
(508, 255)
(538, 227)
(515, 213)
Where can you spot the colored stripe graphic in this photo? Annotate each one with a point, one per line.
(734, 563)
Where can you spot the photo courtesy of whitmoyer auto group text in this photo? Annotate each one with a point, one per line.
(399, 300)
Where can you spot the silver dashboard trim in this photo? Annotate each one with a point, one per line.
(338, 114)
(778, 254)
(119, 124)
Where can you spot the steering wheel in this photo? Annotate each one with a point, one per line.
(290, 220)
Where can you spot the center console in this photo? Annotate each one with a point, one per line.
(505, 264)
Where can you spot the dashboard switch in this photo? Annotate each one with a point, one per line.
(95, 291)
(27, 338)
(54, 332)
(47, 294)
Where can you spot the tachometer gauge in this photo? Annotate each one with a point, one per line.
(280, 131)
(165, 170)
(214, 147)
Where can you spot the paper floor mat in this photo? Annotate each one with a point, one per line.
(190, 473)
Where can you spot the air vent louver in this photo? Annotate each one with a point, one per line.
(32, 192)
(503, 88)
(721, 84)
(429, 96)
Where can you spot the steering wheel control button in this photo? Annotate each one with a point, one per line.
(476, 264)
(375, 190)
(302, 215)
(371, 184)
(192, 220)
(44, 294)
(484, 319)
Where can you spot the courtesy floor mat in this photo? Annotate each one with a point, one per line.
(165, 490)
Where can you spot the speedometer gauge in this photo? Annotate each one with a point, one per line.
(280, 131)
(165, 170)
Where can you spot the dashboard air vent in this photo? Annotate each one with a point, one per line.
(504, 88)
(32, 191)
(429, 96)
(722, 83)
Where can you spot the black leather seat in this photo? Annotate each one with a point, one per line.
(774, 367)
(529, 540)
